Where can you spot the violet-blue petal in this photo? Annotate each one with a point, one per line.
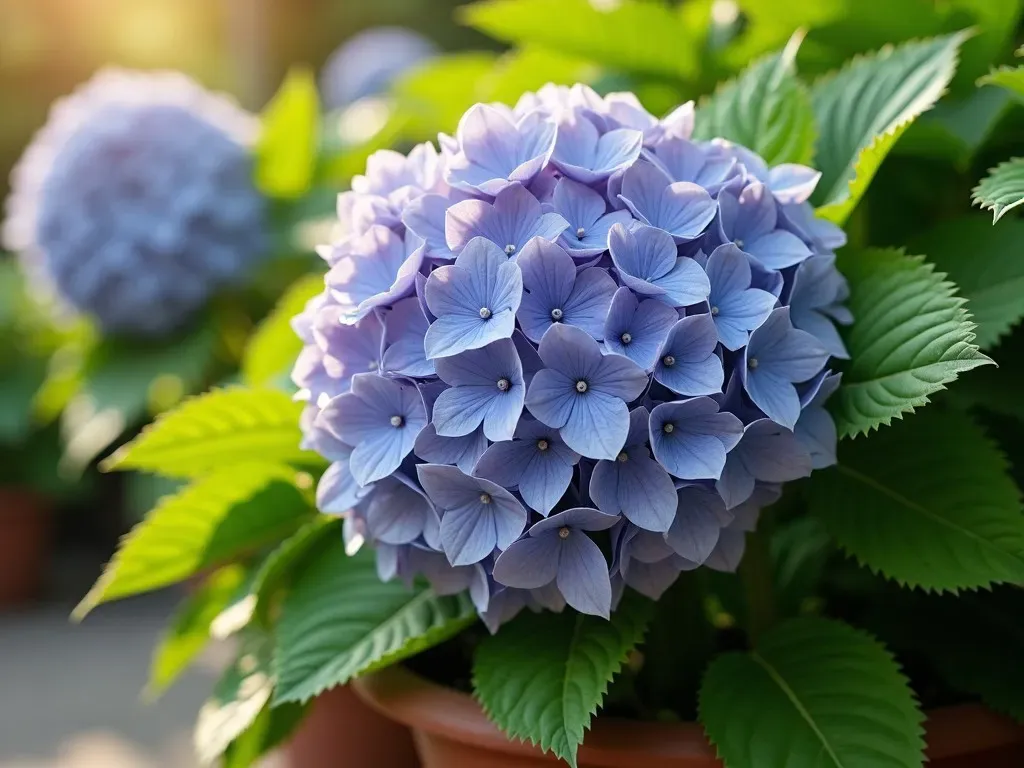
(728, 551)
(751, 222)
(777, 356)
(584, 155)
(815, 428)
(426, 217)
(397, 512)
(633, 484)
(486, 386)
(337, 492)
(637, 329)
(404, 328)
(537, 461)
(736, 307)
(377, 268)
(647, 261)
(495, 151)
(477, 516)
(687, 363)
(681, 208)
(768, 453)
(510, 222)
(529, 563)
(463, 452)
(474, 300)
(792, 183)
(380, 418)
(584, 210)
(691, 438)
(682, 160)
(348, 349)
(697, 523)
(815, 301)
(583, 577)
(555, 293)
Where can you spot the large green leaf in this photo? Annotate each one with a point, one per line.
(911, 336)
(281, 565)
(340, 620)
(238, 700)
(215, 429)
(190, 628)
(1010, 78)
(542, 676)
(635, 35)
(928, 503)
(987, 265)
(286, 151)
(813, 693)
(862, 110)
(232, 511)
(1002, 189)
(272, 349)
(766, 109)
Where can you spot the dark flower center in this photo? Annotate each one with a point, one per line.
(485, 313)
(582, 386)
(503, 385)
(626, 337)
(668, 361)
(752, 363)
(397, 421)
(623, 457)
(668, 428)
(485, 498)
(580, 232)
(542, 444)
(510, 248)
(714, 311)
(563, 533)
(557, 314)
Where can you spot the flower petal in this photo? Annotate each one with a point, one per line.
(529, 563)
(583, 577)
(638, 488)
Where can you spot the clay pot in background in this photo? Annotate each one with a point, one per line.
(451, 730)
(341, 730)
(24, 545)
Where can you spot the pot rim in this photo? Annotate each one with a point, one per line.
(424, 705)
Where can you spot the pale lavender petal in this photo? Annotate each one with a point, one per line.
(463, 452)
(637, 329)
(691, 438)
(337, 492)
(404, 329)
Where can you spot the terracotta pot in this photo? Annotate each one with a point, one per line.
(451, 730)
(24, 540)
(341, 730)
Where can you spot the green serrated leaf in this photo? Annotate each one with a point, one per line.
(935, 481)
(340, 620)
(231, 511)
(635, 35)
(543, 676)
(1010, 78)
(911, 336)
(814, 693)
(985, 262)
(272, 349)
(766, 109)
(286, 150)
(221, 427)
(1002, 189)
(190, 628)
(282, 563)
(862, 110)
(238, 699)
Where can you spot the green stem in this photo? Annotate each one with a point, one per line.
(757, 576)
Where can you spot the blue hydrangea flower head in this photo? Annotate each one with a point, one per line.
(135, 202)
(367, 63)
(571, 330)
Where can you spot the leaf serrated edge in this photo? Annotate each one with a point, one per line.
(998, 211)
(919, 730)
(638, 634)
(957, 39)
(964, 316)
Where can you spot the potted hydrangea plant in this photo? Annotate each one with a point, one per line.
(568, 371)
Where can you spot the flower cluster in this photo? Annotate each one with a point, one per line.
(571, 319)
(136, 201)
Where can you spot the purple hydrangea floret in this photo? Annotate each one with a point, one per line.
(573, 352)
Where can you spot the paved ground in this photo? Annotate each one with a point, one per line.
(69, 695)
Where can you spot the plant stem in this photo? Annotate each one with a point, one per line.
(757, 576)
